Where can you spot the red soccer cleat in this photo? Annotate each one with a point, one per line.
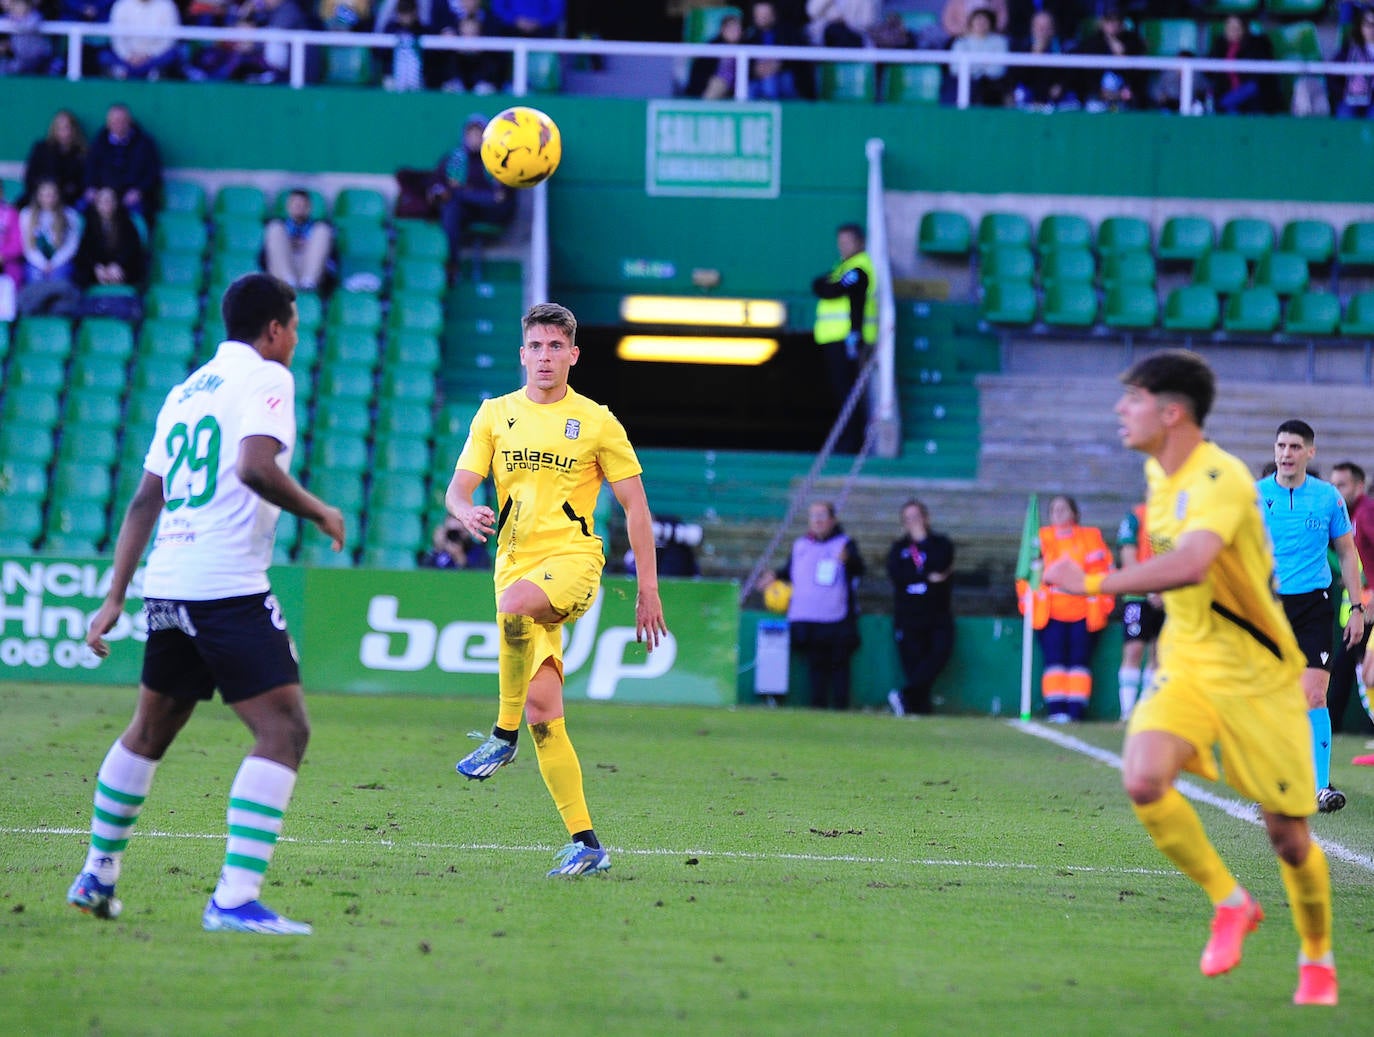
(1316, 985)
(1230, 927)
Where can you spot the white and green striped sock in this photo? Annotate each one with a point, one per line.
(257, 801)
(121, 786)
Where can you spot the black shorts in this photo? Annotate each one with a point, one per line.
(1312, 616)
(1141, 621)
(238, 645)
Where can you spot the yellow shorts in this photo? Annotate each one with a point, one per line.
(1264, 737)
(571, 582)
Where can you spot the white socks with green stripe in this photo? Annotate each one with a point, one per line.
(258, 799)
(121, 786)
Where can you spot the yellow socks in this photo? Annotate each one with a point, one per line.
(513, 662)
(562, 773)
(1176, 830)
(1309, 894)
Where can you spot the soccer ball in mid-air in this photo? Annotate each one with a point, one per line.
(777, 596)
(521, 147)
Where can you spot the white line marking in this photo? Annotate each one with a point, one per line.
(1236, 808)
(392, 844)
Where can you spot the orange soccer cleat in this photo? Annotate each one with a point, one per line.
(1316, 985)
(1230, 927)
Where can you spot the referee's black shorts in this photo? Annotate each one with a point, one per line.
(1312, 615)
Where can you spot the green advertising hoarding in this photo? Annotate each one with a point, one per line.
(434, 633)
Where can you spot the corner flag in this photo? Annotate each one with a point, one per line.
(1030, 544)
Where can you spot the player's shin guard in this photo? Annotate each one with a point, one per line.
(1309, 894)
(1127, 689)
(514, 658)
(1320, 719)
(257, 803)
(1176, 829)
(121, 786)
(562, 772)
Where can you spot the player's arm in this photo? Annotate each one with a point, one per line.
(477, 519)
(134, 532)
(1184, 566)
(639, 526)
(257, 469)
(944, 564)
(1350, 576)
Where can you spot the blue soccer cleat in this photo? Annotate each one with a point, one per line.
(91, 895)
(579, 859)
(488, 758)
(252, 917)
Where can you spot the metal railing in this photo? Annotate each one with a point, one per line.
(960, 64)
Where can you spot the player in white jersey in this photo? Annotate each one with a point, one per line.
(215, 480)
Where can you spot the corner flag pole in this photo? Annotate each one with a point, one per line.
(1028, 566)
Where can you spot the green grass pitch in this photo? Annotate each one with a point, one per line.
(775, 872)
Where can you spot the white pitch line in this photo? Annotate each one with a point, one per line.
(1236, 808)
(393, 844)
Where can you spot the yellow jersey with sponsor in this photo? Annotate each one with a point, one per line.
(1230, 628)
(548, 461)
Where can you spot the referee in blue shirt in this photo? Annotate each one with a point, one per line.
(1304, 516)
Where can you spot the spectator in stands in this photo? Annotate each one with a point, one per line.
(533, 19)
(824, 569)
(143, 57)
(1113, 89)
(474, 71)
(125, 157)
(296, 247)
(24, 51)
(841, 23)
(346, 15)
(11, 259)
(713, 79)
(1041, 88)
(1066, 14)
(467, 192)
(93, 12)
(989, 82)
(1235, 93)
(51, 232)
(675, 544)
(1349, 480)
(846, 325)
(1166, 88)
(955, 15)
(453, 548)
(1354, 91)
(111, 249)
(769, 78)
(59, 156)
(919, 564)
(246, 60)
(891, 33)
(406, 59)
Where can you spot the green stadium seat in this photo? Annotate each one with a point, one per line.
(1166, 37)
(310, 308)
(854, 81)
(1063, 230)
(1009, 302)
(1283, 9)
(186, 269)
(420, 239)
(363, 246)
(1007, 263)
(102, 373)
(242, 200)
(997, 229)
(414, 312)
(702, 24)
(1314, 240)
(42, 372)
(944, 233)
(11, 188)
(419, 276)
(174, 339)
(81, 480)
(1253, 311)
(43, 336)
(355, 310)
(1068, 263)
(1185, 239)
(343, 414)
(1070, 304)
(183, 196)
(101, 294)
(912, 84)
(360, 203)
(1359, 315)
(29, 407)
(544, 72)
(1130, 305)
(1313, 313)
(408, 454)
(97, 407)
(21, 519)
(172, 302)
(391, 559)
(340, 487)
(1193, 307)
(349, 345)
(142, 409)
(180, 232)
(75, 526)
(1251, 238)
(337, 452)
(413, 348)
(405, 419)
(402, 530)
(158, 373)
(349, 66)
(396, 491)
(1285, 272)
(1128, 268)
(1356, 249)
(228, 267)
(1223, 272)
(105, 336)
(1222, 8)
(88, 444)
(408, 383)
(23, 480)
(455, 418)
(306, 357)
(346, 381)
(237, 234)
(1117, 234)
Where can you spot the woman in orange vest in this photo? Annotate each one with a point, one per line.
(1068, 624)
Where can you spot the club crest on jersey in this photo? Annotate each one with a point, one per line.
(572, 429)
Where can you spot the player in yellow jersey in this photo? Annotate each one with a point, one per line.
(549, 449)
(1230, 668)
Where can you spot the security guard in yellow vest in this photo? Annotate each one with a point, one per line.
(847, 324)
